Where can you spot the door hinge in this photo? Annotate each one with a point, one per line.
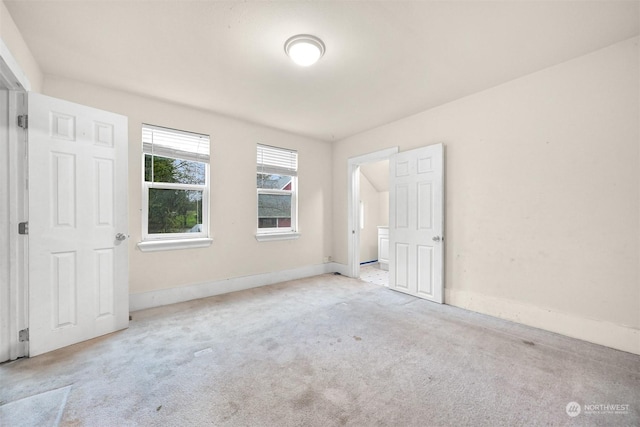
(23, 335)
(23, 121)
(23, 228)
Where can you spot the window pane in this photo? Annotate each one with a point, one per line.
(267, 223)
(174, 211)
(170, 170)
(274, 210)
(274, 182)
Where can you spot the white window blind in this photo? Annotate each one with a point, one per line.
(275, 160)
(174, 143)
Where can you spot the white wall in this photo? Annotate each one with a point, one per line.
(235, 251)
(12, 38)
(369, 235)
(542, 195)
(383, 205)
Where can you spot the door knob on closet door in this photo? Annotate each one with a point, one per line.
(436, 238)
(120, 237)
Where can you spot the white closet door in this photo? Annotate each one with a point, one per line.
(78, 225)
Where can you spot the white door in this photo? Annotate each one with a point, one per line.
(78, 255)
(416, 222)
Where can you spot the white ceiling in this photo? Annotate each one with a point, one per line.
(385, 60)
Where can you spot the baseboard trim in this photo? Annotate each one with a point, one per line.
(600, 332)
(340, 268)
(143, 300)
(595, 331)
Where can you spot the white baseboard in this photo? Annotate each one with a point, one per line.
(339, 268)
(596, 331)
(162, 297)
(600, 332)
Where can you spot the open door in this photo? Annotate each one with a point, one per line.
(416, 222)
(78, 224)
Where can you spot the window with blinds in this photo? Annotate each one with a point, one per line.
(277, 171)
(176, 183)
(175, 144)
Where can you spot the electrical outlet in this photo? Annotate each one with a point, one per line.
(327, 259)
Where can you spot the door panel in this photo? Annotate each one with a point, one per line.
(425, 203)
(402, 206)
(63, 282)
(425, 271)
(402, 266)
(78, 270)
(417, 222)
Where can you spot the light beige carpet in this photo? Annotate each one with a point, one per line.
(328, 351)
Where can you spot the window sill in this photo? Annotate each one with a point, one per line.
(277, 236)
(169, 245)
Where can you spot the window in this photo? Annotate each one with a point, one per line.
(277, 171)
(175, 185)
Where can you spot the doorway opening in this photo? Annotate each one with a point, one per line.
(416, 219)
(374, 222)
(369, 215)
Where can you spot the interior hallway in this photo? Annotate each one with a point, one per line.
(322, 351)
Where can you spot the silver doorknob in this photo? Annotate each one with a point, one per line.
(120, 237)
(436, 238)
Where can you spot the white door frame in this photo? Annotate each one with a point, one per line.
(14, 309)
(353, 203)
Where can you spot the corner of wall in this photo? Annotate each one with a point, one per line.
(12, 38)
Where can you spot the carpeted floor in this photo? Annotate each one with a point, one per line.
(323, 351)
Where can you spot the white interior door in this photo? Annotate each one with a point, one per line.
(78, 256)
(416, 222)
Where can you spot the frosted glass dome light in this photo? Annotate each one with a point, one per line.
(304, 49)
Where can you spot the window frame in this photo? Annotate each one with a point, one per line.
(278, 233)
(150, 240)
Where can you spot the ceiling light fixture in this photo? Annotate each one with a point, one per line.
(304, 49)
